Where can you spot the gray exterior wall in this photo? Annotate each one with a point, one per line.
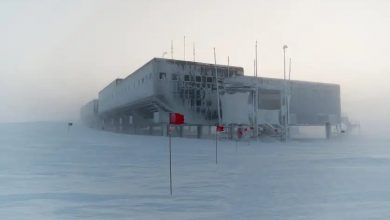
(311, 103)
(315, 103)
(89, 114)
(144, 98)
(164, 85)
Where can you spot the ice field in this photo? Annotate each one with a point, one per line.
(47, 173)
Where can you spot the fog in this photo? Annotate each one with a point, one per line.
(57, 55)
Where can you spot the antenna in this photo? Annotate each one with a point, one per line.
(172, 49)
(255, 103)
(254, 68)
(216, 81)
(218, 109)
(284, 61)
(228, 67)
(256, 58)
(193, 50)
(285, 118)
(184, 48)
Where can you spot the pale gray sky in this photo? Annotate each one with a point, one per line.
(56, 55)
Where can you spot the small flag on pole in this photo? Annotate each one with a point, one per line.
(220, 128)
(176, 118)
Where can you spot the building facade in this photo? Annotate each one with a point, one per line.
(140, 103)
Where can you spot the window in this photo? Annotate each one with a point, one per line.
(142, 80)
(163, 75)
(186, 78)
(209, 79)
(174, 76)
(198, 79)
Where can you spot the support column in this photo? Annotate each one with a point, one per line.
(181, 131)
(231, 128)
(120, 123)
(328, 130)
(150, 129)
(199, 131)
(164, 129)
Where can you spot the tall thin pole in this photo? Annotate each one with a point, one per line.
(216, 146)
(193, 50)
(170, 159)
(285, 94)
(216, 82)
(172, 49)
(219, 113)
(257, 97)
(284, 63)
(256, 59)
(228, 67)
(184, 48)
(254, 95)
(289, 96)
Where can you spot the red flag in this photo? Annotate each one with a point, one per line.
(220, 128)
(176, 118)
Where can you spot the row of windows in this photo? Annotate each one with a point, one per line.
(131, 83)
(188, 78)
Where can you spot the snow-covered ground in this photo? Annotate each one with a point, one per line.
(47, 173)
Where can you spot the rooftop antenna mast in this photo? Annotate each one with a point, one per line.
(254, 94)
(193, 50)
(218, 109)
(256, 58)
(184, 48)
(228, 68)
(172, 49)
(216, 82)
(285, 120)
(289, 95)
(257, 96)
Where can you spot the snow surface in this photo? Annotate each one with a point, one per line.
(47, 173)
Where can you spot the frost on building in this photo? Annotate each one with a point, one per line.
(141, 102)
(89, 114)
(143, 99)
(267, 102)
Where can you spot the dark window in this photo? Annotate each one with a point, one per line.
(209, 79)
(186, 78)
(163, 75)
(198, 78)
(174, 76)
